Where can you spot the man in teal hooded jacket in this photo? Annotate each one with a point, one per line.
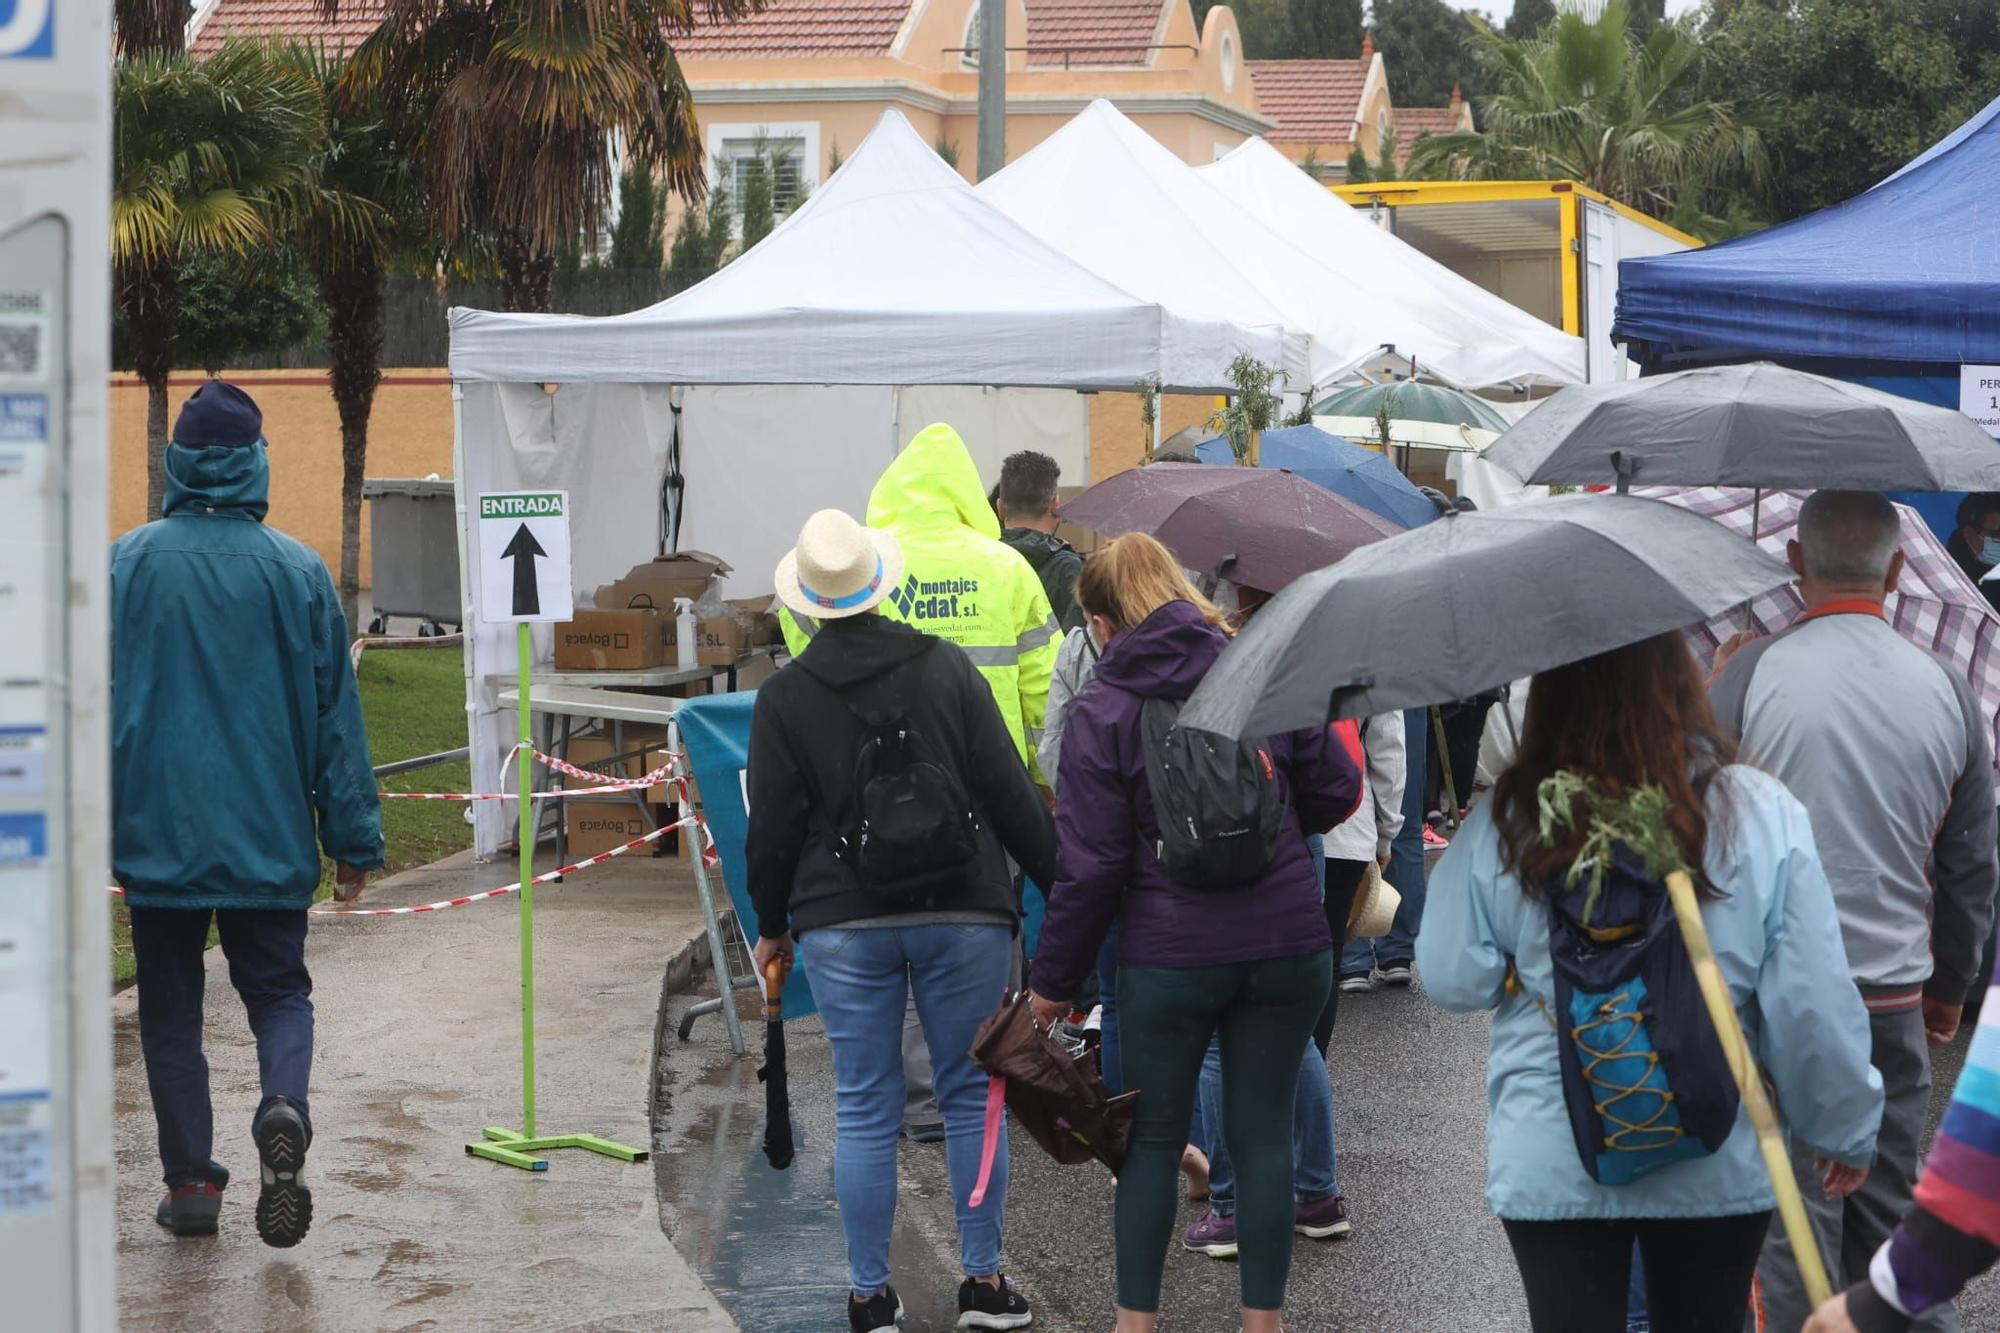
(238, 754)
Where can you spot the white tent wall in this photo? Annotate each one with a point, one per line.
(756, 460)
(596, 441)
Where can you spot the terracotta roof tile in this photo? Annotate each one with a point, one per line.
(1415, 121)
(1313, 101)
(1089, 32)
(801, 28)
(301, 19)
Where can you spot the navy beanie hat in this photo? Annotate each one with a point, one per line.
(218, 414)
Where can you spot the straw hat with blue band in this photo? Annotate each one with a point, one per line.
(839, 568)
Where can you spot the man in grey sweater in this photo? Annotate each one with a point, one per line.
(1886, 747)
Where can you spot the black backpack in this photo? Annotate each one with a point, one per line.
(1644, 1076)
(1220, 803)
(916, 834)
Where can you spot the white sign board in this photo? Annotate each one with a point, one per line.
(1979, 396)
(524, 557)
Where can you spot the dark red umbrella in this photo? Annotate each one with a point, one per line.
(1257, 527)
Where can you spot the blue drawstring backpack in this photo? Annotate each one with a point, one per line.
(1644, 1075)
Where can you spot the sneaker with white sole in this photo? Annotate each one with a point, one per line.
(981, 1306)
(284, 1205)
(882, 1311)
(1214, 1236)
(1359, 983)
(1395, 974)
(1322, 1219)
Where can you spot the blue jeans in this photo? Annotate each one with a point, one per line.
(1314, 1173)
(1406, 868)
(860, 979)
(267, 965)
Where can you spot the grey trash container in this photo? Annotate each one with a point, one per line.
(413, 560)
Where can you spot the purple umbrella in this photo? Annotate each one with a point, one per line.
(1257, 527)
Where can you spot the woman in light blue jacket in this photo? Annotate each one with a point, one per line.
(1634, 717)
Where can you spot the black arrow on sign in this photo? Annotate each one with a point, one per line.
(522, 550)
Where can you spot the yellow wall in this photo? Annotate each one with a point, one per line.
(1118, 439)
(409, 436)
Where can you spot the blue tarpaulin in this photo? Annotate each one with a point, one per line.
(1907, 273)
(1361, 475)
(716, 734)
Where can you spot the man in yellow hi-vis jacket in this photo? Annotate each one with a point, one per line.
(960, 583)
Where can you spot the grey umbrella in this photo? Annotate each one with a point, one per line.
(1755, 425)
(1474, 601)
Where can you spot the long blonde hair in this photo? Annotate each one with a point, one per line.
(1135, 576)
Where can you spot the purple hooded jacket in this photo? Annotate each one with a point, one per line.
(1106, 829)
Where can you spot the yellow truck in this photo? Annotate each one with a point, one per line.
(1550, 247)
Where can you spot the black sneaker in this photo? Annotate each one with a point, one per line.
(981, 1306)
(881, 1311)
(284, 1207)
(190, 1210)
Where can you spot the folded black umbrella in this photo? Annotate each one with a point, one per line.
(778, 1145)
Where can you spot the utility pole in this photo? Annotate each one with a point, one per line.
(992, 86)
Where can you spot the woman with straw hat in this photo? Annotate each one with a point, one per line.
(883, 785)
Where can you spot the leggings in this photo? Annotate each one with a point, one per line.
(1698, 1271)
(1263, 1013)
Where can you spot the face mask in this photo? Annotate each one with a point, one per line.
(1989, 551)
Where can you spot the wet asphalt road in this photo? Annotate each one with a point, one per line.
(1410, 1107)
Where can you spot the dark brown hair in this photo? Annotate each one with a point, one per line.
(1633, 717)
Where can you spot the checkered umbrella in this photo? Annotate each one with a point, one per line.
(1934, 606)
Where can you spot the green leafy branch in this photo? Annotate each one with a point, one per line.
(1638, 819)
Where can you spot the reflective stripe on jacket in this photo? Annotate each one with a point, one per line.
(960, 582)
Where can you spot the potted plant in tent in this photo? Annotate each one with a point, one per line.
(1251, 409)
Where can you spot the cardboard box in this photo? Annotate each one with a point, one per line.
(760, 619)
(720, 640)
(595, 828)
(593, 749)
(626, 640)
(685, 575)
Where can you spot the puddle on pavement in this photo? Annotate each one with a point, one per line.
(768, 1243)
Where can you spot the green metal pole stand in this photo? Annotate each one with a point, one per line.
(504, 1145)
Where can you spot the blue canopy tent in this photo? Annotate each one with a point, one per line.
(1367, 478)
(1895, 288)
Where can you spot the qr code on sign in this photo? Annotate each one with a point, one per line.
(21, 344)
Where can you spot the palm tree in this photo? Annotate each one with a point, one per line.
(1585, 100)
(519, 100)
(207, 157)
(363, 212)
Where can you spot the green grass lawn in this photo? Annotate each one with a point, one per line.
(415, 704)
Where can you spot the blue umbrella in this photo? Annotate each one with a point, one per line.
(1361, 475)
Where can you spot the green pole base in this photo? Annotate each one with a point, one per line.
(511, 1149)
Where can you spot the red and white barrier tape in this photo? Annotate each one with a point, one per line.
(605, 784)
(710, 858)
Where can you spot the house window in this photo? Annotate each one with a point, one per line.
(969, 57)
(1228, 63)
(792, 149)
(787, 159)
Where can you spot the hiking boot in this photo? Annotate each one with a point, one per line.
(1395, 974)
(1322, 1219)
(284, 1206)
(981, 1306)
(190, 1210)
(880, 1311)
(1359, 983)
(1214, 1236)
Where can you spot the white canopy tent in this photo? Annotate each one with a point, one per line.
(1449, 324)
(893, 272)
(1108, 194)
(893, 297)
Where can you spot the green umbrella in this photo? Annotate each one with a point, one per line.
(1425, 416)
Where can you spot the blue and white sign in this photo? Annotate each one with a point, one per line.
(23, 839)
(27, 29)
(24, 418)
